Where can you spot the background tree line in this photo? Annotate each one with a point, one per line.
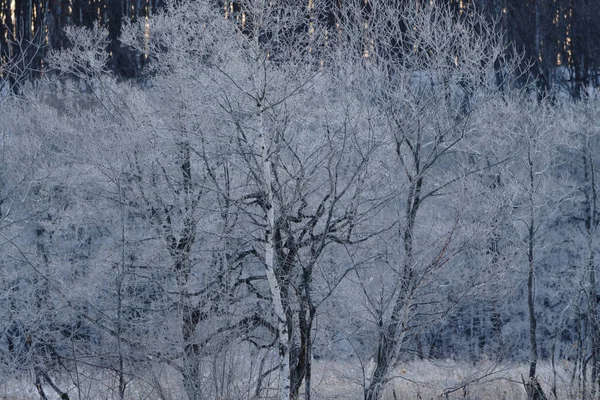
(559, 37)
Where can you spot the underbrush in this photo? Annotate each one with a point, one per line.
(419, 380)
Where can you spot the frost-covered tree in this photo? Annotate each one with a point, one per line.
(429, 73)
(290, 183)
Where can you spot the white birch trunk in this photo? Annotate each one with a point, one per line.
(283, 343)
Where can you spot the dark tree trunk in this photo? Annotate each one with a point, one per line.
(532, 387)
(389, 342)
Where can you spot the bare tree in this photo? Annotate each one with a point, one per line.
(534, 203)
(429, 71)
(305, 151)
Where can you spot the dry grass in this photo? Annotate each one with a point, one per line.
(417, 380)
(448, 379)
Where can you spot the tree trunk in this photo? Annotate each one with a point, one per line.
(180, 248)
(532, 387)
(531, 305)
(300, 358)
(534, 390)
(275, 288)
(388, 336)
(590, 225)
(191, 352)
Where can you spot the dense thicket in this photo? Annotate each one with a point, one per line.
(292, 186)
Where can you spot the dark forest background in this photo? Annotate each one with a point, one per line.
(551, 33)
